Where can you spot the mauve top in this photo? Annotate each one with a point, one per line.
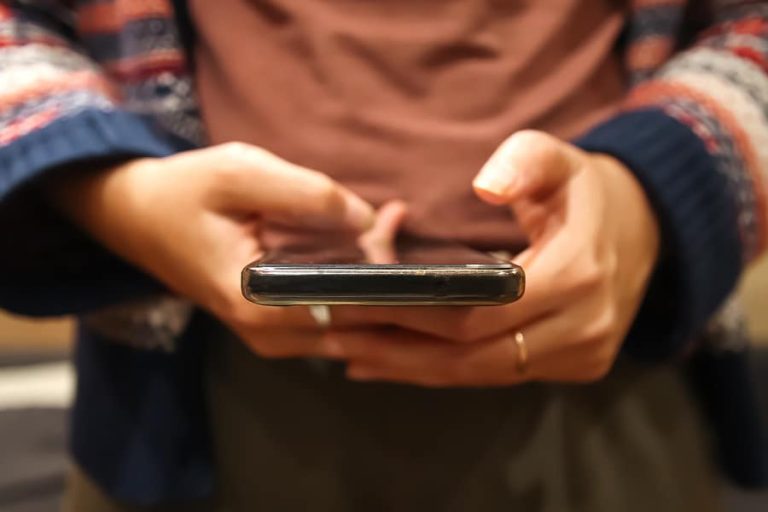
(407, 98)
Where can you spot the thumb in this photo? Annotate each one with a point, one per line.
(529, 164)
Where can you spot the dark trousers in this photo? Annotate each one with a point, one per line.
(297, 436)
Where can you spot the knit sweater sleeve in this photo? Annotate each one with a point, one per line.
(58, 110)
(695, 133)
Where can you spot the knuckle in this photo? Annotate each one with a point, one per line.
(230, 164)
(607, 321)
(589, 275)
(241, 155)
(601, 327)
(234, 150)
(531, 139)
(533, 142)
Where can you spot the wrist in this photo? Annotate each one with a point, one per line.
(101, 200)
(80, 194)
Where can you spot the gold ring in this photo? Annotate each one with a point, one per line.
(522, 353)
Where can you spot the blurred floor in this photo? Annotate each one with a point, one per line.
(33, 459)
(23, 334)
(36, 386)
(754, 289)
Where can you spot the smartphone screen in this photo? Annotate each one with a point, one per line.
(406, 252)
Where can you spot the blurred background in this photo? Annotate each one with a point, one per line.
(36, 387)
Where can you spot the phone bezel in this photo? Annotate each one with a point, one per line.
(280, 284)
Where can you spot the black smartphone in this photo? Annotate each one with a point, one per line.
(420, 273)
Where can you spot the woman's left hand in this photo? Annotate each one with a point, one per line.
(594, 243)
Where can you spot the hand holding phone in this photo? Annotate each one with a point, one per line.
(593, 246)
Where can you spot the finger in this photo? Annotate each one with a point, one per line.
(560, 272)
(529, 163)
(558, 349)
(414, 359)
(550, 286)
(378, 243)
(567, 348)
(251, 179)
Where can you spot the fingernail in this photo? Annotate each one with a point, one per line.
(497, 179)
(491, 183)
(360, 215)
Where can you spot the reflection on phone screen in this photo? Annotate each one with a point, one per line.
(409, 252)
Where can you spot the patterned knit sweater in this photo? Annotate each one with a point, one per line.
(93, 80)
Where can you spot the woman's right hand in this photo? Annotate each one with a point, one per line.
(192, 220)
